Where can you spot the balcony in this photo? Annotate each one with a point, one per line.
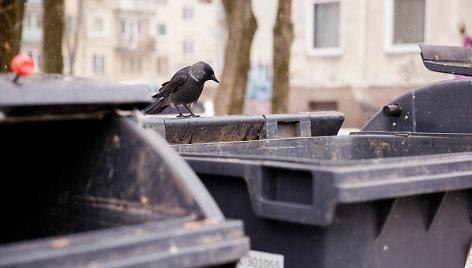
(142, 6)
(139, 45)
(32, 35)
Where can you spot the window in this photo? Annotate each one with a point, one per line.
(326, 25)
(188, 13)
(162, 66)
(98, 63)
(139, 26)
(132, 29)
(37, 21)
(66, 66)
(32, 20)
(405, 25)
(131, 64)
(162, 31)
(126, 64)
(124, 27)
(27, 20)
(98, 27)
(324, 30)
(32, 31)
(323, 106)
(188, 48)
(71, 24)
(139, 65)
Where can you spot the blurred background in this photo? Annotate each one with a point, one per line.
(351, 56)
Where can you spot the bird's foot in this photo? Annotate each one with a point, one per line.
(194, 115)
(183, 116)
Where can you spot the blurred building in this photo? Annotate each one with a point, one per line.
(356, 55)
(259, 84)
(347, 55)
(130, 40)
(32, 34)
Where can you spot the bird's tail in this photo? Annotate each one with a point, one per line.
(156, 107)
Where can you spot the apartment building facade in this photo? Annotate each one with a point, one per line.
(356, 55)
(347, 55)
(130, 40)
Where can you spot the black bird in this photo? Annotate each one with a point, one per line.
(183, 88)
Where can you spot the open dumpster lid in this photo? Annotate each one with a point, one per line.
(53, 94)
(447, 59)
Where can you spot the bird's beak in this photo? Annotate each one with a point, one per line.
(213, 77)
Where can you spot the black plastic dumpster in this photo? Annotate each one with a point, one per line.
(244, 127)
(441, 107)
(84, 185)
(373, 200)
(397, 194)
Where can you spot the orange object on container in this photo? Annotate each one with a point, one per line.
(22, 64)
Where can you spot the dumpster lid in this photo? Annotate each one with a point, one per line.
(447, 59)
(41, 94)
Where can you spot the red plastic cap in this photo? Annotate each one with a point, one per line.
(22, 64)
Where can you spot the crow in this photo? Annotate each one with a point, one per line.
(183, 88)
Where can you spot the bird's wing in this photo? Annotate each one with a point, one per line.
(160, 89)
(163, 85)
(174, 83)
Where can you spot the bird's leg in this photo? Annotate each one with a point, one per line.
(180, 113)
(191, 114)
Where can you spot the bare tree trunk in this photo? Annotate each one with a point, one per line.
(283, 37)
(241, 26)
(11, 17)
(72, 39)
(21, 15)
(53, 29)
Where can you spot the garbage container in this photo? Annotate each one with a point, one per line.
(84, 185)
(366, 200)
(441, 107)
(397, 194)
